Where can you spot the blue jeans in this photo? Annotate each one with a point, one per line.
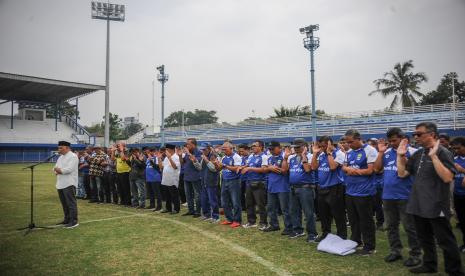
(209, 200)
(96, 188)
(302, 199)
(81, 191)
(137, 192)
(275, 201)
(193, 190)
(231, 199)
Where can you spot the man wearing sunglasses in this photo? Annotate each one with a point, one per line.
(429, 201)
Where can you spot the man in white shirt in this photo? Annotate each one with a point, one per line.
(66, 170)
(171, 169)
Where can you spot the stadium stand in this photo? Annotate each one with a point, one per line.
(370, 123)
(30, 136)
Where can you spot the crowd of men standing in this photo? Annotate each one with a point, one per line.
(361, 185)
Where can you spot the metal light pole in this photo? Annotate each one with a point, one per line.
(153, 107)
(454, 103)
(107, 11)
(311, 43)
(162, 77)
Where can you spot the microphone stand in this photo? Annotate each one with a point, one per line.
(32, 225)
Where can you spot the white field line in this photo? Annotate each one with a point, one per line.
(240, 249)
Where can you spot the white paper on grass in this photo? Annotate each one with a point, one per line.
(335, 245)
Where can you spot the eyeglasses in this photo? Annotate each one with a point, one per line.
(419, 134)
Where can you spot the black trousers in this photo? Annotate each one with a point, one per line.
(154, 192)
(459, 204)
(430, 228)
(360, 212)
(378, 207)
(256, 196)
(87, 186)
(394, 211)
(181, 191)
(172, 198)
(109, 186)
(331, 204)
(243, 191)
(124, 189)
(68, 202)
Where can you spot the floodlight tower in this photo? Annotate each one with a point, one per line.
(113, 12)
(311, 43)
(162, 77)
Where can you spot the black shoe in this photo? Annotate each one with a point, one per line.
(365, 252)
(150, 207)
(412, 261)
(286, 232)
(72, 225)
(196, 215)
(321, 237)
(64, 222)
(392, 258)
(296, 235)
(165, 211)
(187, 214)
(174, 212)
(271, 229)
(422, 269)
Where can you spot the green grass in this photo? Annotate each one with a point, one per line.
(133, 241)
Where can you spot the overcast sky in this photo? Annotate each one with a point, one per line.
(232, 56)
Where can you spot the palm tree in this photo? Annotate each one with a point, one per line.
(402, 83)
(282, 112)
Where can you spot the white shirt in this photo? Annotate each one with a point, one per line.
(170, 175)
(69, 165)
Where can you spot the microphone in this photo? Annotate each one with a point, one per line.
(51, 157)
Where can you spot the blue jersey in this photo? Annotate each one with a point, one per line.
(277, 183)
(152, 174)
(244, 160)
(256, 161)
(395, 187)
(232, 160)
(297, 174)
(458, 188)
(360, 185)
(327, 177)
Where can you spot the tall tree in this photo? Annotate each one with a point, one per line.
(131, 129)
(197, 117)
(402, 83)
(115, 127)
(65, 108)
(282, 111)
(443, 93)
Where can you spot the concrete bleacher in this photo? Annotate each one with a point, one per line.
(26, 131)
(449, 118)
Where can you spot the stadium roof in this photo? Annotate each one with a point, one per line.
(15, 87)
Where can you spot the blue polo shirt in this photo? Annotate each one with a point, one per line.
(327, 177)
(360, 185)
(231, 160)
(190, 172)
(297, 174)
(277, 183)
(458, 189)
(395, 187)
(152, 174)
(84, 170)
(257, 161)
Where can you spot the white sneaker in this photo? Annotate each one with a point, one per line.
(215, 221)
(249, 225)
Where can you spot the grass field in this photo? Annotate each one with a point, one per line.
(119, 240)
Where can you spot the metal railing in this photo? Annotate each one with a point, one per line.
(81, 131)
(447, 116)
